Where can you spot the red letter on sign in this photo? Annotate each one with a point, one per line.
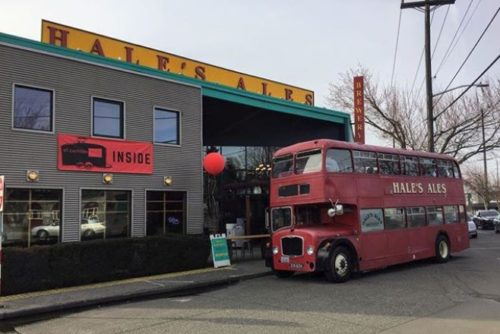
(62, 38)
(97, 48)
(162, 63)
(241, 84)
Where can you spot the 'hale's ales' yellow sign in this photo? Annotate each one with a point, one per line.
(72, 38)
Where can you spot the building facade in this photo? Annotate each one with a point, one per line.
(94, 147)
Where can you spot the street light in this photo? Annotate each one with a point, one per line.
(479, 85)
(461, 86)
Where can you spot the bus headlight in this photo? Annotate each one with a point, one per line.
(275, 250)
(310, 250)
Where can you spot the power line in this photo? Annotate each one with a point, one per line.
(468, 87)
(461, 33)
(440, 31)
(447, 53)
(471, 51)
(396, 48)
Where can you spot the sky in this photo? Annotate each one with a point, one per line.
(301, 43)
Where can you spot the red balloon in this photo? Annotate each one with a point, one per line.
(213, 163)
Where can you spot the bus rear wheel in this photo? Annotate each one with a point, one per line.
(340, 265)
(442, 249)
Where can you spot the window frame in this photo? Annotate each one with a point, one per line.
(179, 126)
(93, 98)
(52, 108)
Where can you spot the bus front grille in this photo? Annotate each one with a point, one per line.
(292, 246)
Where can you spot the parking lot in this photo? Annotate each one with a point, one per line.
(461, 296)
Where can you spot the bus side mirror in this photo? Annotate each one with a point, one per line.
(336, 211)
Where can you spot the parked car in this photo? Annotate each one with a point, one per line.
(496, 221)
(472, 228)
(484, 219)
(89, 229)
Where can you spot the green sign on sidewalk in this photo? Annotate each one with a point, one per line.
(220, 253)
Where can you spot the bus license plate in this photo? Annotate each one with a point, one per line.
(296, 265)
(285, 259)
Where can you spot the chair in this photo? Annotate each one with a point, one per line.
(243, 246)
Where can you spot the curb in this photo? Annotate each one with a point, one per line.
(5, 313)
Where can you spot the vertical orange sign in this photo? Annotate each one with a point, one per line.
(359, 110)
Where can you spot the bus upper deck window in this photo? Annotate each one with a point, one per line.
(365, 162)
(282, 166)
(410, 165)
(428, 167)
(308, 162)
(338, 160)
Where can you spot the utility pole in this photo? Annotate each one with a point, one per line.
(428, 67)
(487, 191)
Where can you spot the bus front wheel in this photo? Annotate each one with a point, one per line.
(340, 265)
(442, 249)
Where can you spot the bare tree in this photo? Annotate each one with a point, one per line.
(475, 181)
(397, 115)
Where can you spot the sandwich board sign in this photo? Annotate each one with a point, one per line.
(220, 252)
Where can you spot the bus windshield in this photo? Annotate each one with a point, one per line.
(281, 217)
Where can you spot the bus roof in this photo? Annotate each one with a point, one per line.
(330, 143)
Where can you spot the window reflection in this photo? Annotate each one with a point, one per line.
(105, 214)
(166, 127)
(108, 118)
(32, 108)
(32, 216)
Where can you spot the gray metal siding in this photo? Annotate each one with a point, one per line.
(74, 84)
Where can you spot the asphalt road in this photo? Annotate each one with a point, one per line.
(461, 296)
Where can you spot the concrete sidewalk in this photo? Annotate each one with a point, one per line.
(36, 303)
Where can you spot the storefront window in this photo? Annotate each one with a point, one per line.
(32, 216)
(105, 214)
(33, 108)
(165, 212)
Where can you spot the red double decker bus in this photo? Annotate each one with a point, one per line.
(339, 207)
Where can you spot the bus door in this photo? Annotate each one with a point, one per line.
(420, 244)
(373, 239)
(398, 238)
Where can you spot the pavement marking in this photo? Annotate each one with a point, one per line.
(144, 279)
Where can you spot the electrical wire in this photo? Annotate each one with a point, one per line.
(448, 50)
(471, 51)
(461, 33)
(396, 48)
(440, 32)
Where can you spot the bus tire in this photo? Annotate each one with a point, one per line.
(340, 265)
(442, 249)
(283, 273)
